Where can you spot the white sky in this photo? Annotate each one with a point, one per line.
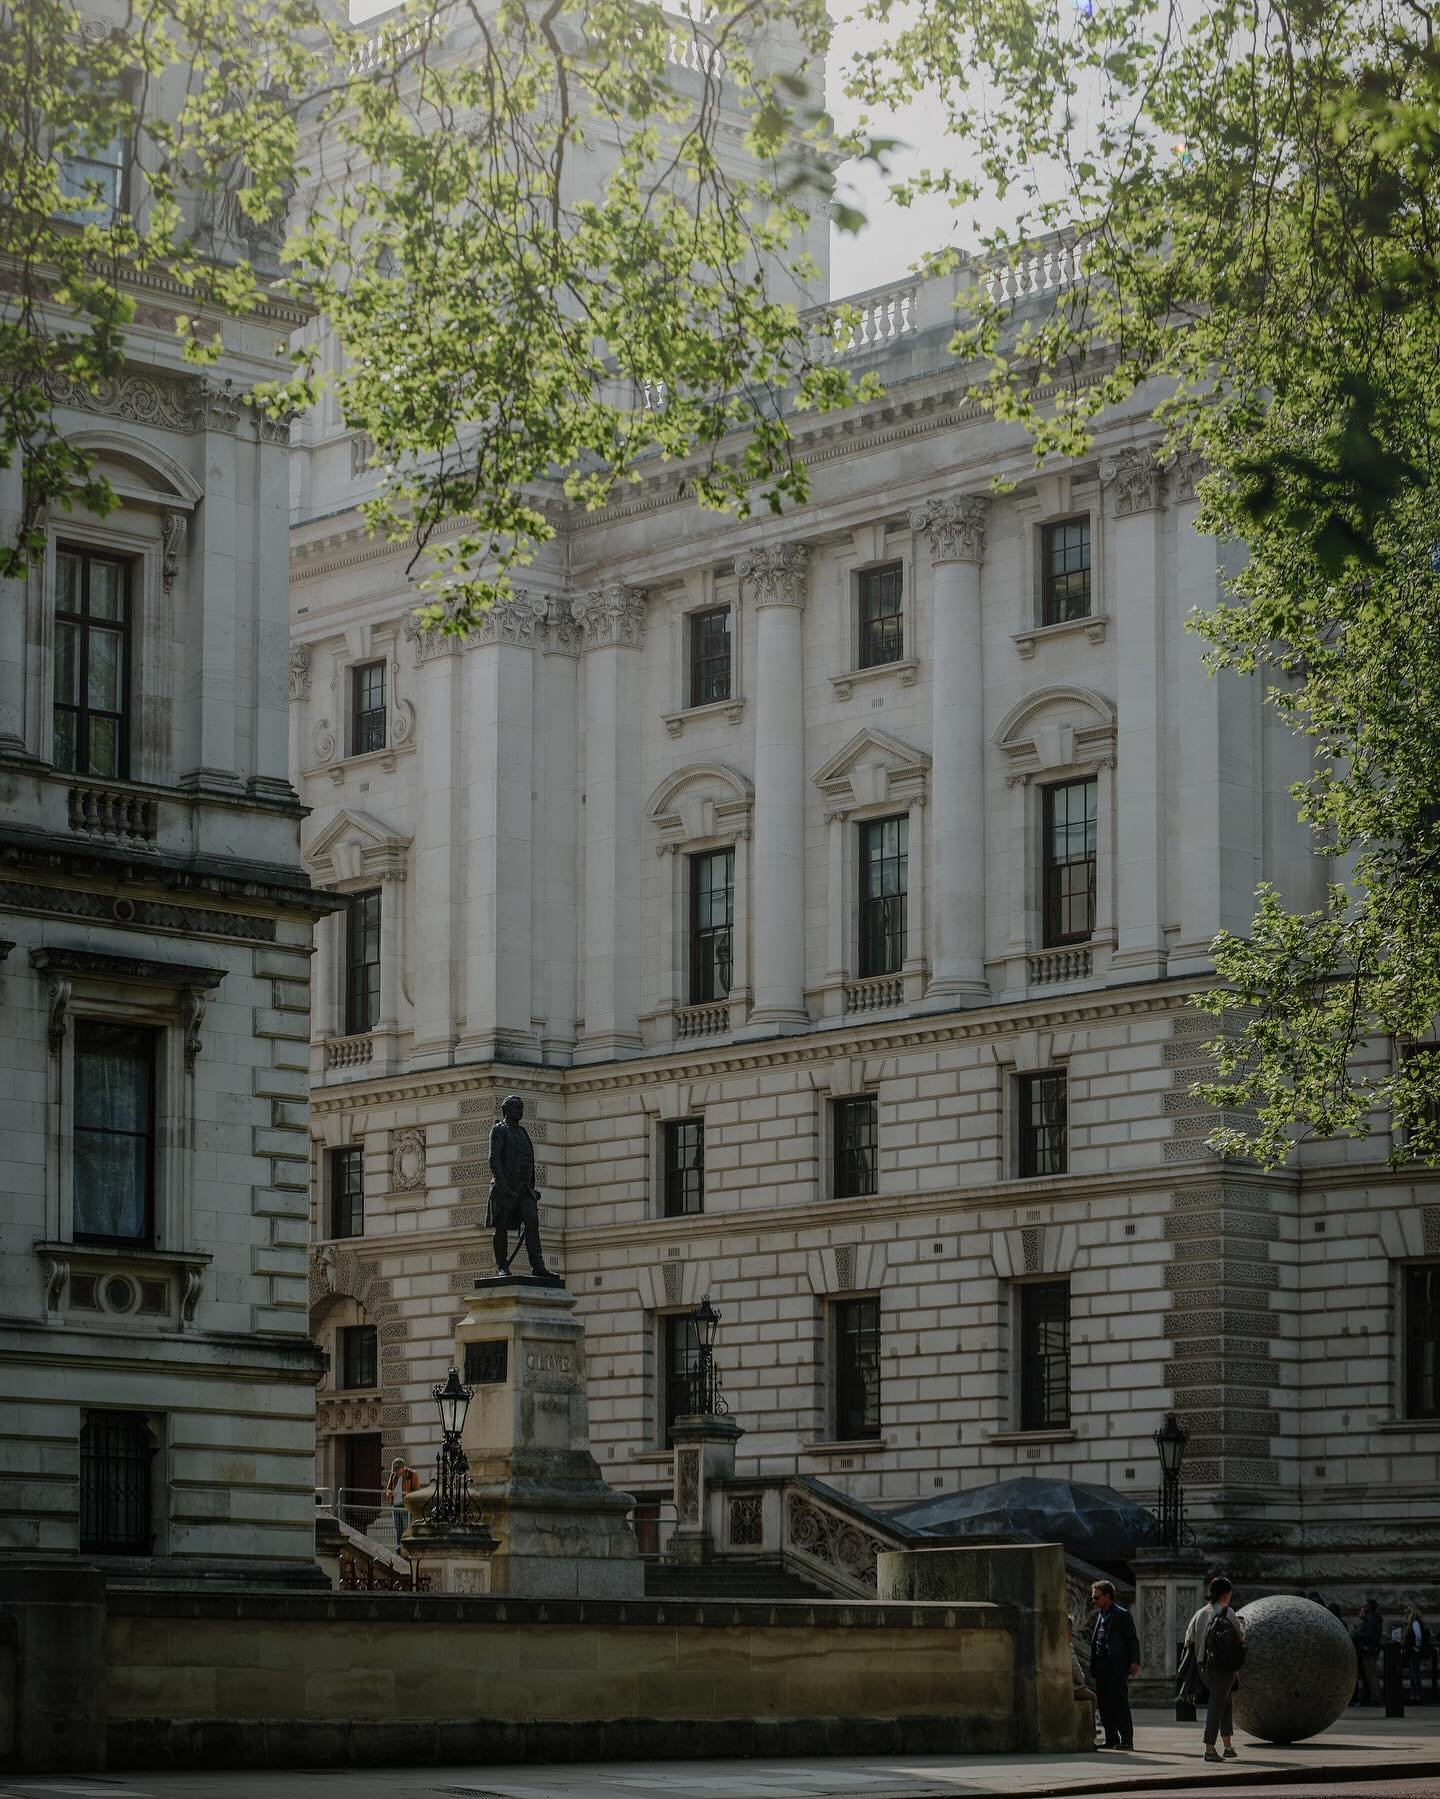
(894, 237)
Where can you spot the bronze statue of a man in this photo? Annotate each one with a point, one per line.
(514, 1204)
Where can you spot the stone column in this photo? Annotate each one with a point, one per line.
(704, 1458)
(13, 607)
(439, 749)
(392, 897)
(324, 979)
(916, 938)
(777, 574)
(955, 529)
(559, 826)
(1135, 569)
(613, 618)
(214, 661)
(837, 912)
(499, 836)
(270, 777)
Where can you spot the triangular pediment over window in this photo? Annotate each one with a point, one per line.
(872, 767)
(356, 846)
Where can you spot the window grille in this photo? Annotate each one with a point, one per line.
(710, 656)
(884, 880)
(855, 1132)
(116, 1459)
(1044, 1355)
(114, 1132)
(1042, 1106)
(1066, 587)
(92, 664)
(684, 1168)
(1069, 861)
(857, 1369)
(881, 621)
(712, 920)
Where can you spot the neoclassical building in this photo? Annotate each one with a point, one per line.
(832, 889)
(155, 935)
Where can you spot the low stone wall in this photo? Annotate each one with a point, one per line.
(214, 1680)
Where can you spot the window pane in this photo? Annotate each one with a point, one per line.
(362, 963)
(681, 1363)
(1422, 1341)
(107, 589)
(881, 633)
(347, 1193)
(710, 656)
(884, 879)
(1070, 837)
(857, 1368)
(103, 757)
(114, 1073)
(64, 748)
(1045, 1355)
(1042, 1139)
(67, 582)
(103, 676)
(684, 1168)
(1066, 571)
(712, 912)
(855, 1162)
(67, 665)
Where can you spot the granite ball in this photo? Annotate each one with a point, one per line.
(1299, 1669)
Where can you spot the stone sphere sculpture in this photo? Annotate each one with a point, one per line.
(1299, 1669)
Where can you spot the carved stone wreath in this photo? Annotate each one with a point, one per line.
(407, 1160)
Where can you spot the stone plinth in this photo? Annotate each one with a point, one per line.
(456, 1557)
(562, 1529)
(1169, 1590)
(704, 1454)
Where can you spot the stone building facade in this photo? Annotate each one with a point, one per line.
(155, 936)
(832, 889)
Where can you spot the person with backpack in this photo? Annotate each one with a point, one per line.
(1114, 1662)
(1414, 1642)
(1216, 1639)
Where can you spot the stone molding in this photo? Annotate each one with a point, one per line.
(1034, 1249)
(407, 1159)
(563, 634)
(432, 640)
(516, 620)
(1136, 481)
(846, 1268)
(612, 616)
(778, 573)
(954, 528)
(1187, 470)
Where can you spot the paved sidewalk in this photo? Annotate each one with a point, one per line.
(1167, 1755)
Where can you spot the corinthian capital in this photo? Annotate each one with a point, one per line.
(613, 614)
(776, 572)
(1135, 481)
(955, 527)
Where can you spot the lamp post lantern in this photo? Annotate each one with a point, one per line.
(451, 1499)
(1170, 1441)
(705, 1399)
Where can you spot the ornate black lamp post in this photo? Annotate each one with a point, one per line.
(452, 1473)
(705, 1397)
(1170, 1441)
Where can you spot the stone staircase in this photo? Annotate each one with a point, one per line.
(754, 1578)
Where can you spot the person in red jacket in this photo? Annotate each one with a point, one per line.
(402, 1480)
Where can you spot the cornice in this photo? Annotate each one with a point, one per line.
(917, 1032)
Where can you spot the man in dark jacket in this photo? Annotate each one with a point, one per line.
(1114, 1661)
(514, 1203)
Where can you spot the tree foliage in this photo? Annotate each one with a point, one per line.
(1254, 184)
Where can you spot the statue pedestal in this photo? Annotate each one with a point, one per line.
(563, 1531)
(455, 1556)
(1169, 1588)
(704, 1453)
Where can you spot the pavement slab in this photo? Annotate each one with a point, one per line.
(1380, 1755)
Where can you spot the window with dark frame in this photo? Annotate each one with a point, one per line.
(1070, 837)
(367, 708)
(709, 656)
(358, 1356)
(92, 664)
(362, 962)
(712, 920)
(1065, 589)
(1423, 1057)
(347, 1192)
(1421, 1310)
(116, 1496)
(1044, 1354)
(684, 1168)
(93, 176)
(855, 1132)
(857, 1369)
(1041, 1102)
(881, 617)
(681, 1362)
(884, 879)
(114, 1132)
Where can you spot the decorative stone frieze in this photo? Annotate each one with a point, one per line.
(517, 619)
(1135, 480)
(777, 573)
(167, 402)
(432, 640)
(953, 528)
(611, 615)
(1186, 471)
(563, 635)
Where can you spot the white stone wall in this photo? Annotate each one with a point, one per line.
(171, 898)
(554, 756)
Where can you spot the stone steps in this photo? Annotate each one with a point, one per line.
(727, 1580)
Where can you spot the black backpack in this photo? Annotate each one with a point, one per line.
(1222, 1651)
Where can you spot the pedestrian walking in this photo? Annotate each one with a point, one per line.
(1216, 1638)
(402, 1480)
(1114, 1662)
(1414, 1641)
(1366, 1638)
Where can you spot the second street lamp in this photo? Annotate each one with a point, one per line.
(1170, 1441)
(451, 1500)
(705, 1397)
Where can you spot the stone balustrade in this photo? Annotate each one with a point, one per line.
(349, 1052)
(701, 1021)
(875, 995)
(114, 815)
(1071, 962)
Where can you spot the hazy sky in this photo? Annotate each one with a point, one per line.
(894, 237)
